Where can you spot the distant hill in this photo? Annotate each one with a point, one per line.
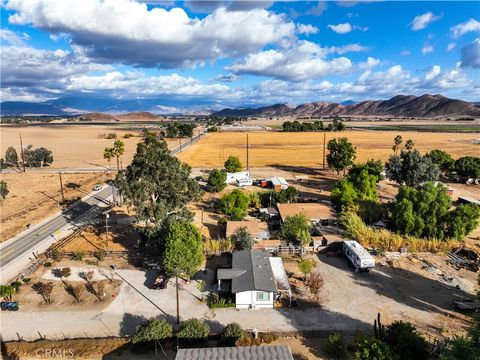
(138, 115)
(400, 105)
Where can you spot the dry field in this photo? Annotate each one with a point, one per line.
(73, 146)
(33, 197)
(306, 149)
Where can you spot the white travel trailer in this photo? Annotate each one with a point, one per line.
(358, 256)
(234, 177)
(244, 182)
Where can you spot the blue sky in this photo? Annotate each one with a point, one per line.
(238, 53)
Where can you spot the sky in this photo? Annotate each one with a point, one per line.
(239, 53)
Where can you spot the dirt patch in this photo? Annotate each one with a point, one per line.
(34, 196)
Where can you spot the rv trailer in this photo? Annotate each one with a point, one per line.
(358, 256)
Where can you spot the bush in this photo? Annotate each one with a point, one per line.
(314, 282)
(232, 331)
(212, 129)
(78, 256)
(243, 239)
(26, 280)
(47, 264)
(152, 329)
(193, 329)
(217, 302)
(16, 285)
(111, 136)
(372, 349)
(235, 204)
(99, 254)
(233, 164)
(217, 180)
(128, 136)
(56, 255)
(406, 342)
(335, 347)
(66, 272)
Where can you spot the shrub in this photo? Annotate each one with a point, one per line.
(26, 280)
(305, 266)
(235, 204)
(66, 272)
(193, 329)
(56, 255)
(232, 331)
(233, 164)
(335, 347)
(16, 285)
(47, 264)
(99, 254)
(111, 136)
(314, 282)
(406, 342)
(212, 129)
(152, 329)
(217, 302)
(128, 136)
(372, 349)
(243, 239)
(78, 256)
(217, 180)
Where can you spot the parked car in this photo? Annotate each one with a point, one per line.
(9, 306)
(97, 187)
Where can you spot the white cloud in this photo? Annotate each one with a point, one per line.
(226, 77)
(421, 21)
(341, 28)
(136, 83)
(451, 46)
(427, 49)
(470, 55)
(370, 63)
(348, 48)
(307, 29)
(305, 60)
(405, 52)
(129, 32)
(13, 38)
(463, 28)
(318, 9)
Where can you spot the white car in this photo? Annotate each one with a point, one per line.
(97, 187)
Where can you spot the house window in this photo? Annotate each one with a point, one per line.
(263, 296)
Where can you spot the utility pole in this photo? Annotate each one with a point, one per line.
(178, 302)
(107, 215)
(324, 140)
(21, 151)
(248, 165)
(180, 145)
(61, 186)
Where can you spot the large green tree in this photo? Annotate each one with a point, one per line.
(373, 167)
(358, 186)
(405, 341)
(411, 169)
(235, 204)
(233, 164)
(11, 156)
(183, 249)
(296, 229)
(157, 185)
(468, 167)
(443, 159)
(243, 239)
(343, 194)
(118, 150)
(217, 180)
(341, 154)
(3, 190)
(462, 221)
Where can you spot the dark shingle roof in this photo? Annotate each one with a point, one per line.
(251, 270)
(267, 352)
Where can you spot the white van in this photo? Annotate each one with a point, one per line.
(358, 256)
(244, 182)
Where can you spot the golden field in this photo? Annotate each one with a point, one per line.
(73, 146)
(306, 149)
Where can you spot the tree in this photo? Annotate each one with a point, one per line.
(7, 291)
(3, 190)
(292, 193)
(243, 239)
(235, 204)
(233, 164)
(217, 180)
(364, 184)
(3, 164)
(66, 272)
(468, 167)
(118, 150)
(372, 349)
(411, 168)
(341, 154)
(11, 156)
(314, 282)
(152, 330)
(306, 266)
(37, 157)
(193, 329)
(373, 167)
(336, 347)
(443, 159)
(409, 144)
(405, 342)
(108, 155)
(44, 289)
(343, 195)
(296, 228)
(183, 249)
(157, 185)
(462, 221)
(397, 142)
(75, 290)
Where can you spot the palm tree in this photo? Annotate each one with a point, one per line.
(7, 291)
(108, 155)
(118, 150)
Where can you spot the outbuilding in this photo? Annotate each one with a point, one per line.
(315, 212)
(259, 230)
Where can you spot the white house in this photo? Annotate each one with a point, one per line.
(252, 279)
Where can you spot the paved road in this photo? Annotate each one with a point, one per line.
(36, 235)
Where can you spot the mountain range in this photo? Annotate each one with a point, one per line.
(398, 106)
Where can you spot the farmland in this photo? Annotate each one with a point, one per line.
(305, 149)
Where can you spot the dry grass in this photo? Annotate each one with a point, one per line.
(72, 146)
(306, 149)
(35, 196)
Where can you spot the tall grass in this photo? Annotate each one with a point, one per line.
(390, 241)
